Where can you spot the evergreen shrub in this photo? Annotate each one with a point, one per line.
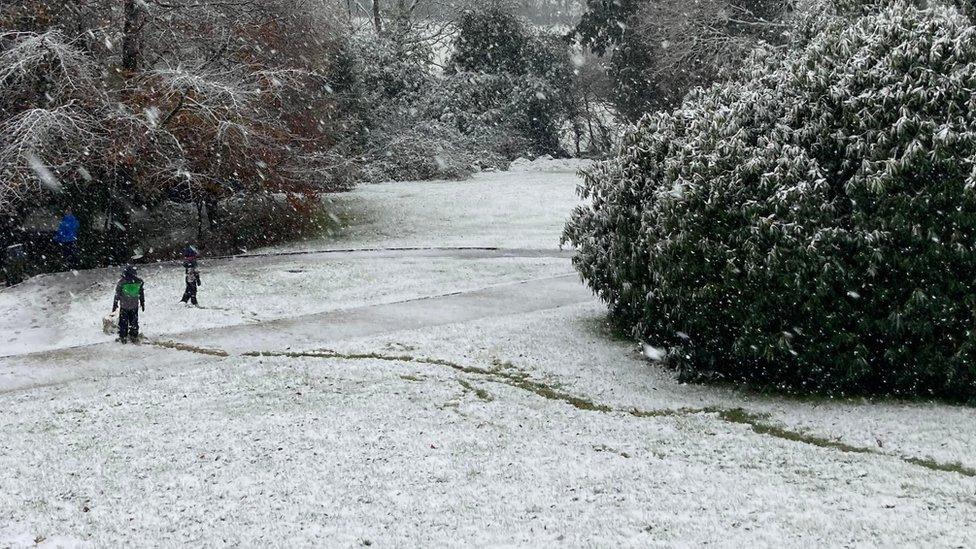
(810, 226)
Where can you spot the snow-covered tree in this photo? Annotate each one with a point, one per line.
(116, 105)
(658, 50)
(51, 115)
(810, 225)
(507, 91)
(530, 72)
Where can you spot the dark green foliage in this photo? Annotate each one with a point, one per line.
(968, 6)
(606, 28)
(811, 226)
(527, 77)
(604, 24)
(391, 71)
(492, 39)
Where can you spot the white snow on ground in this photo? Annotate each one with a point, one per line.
(306, 452)
(570, 347)
(547, 163)
(522, 208)
(64, 310)
(491, 412)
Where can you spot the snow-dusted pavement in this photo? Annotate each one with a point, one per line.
(434, 398)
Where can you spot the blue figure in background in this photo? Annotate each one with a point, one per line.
(67, 239)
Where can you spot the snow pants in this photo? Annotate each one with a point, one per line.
(190, 294)
(69, 254)
(128, 324)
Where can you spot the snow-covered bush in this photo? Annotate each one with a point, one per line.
(507, 91)
(492, 38)
(403, 140)
(511, 112)
(810, 226)
(484, 112)
(417, 151)
(391, 69)
(505, 72)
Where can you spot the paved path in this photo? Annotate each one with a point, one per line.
(317, 330)
(313, 331)
(69, 284)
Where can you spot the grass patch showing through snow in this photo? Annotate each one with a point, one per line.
(508, 374)
(188, 348)
(757, 424)
(408, 377)
(478, 391)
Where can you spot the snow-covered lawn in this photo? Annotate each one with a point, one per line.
(570, 347)
(433, 398)
(523, 208)
(66, 309)
(334, 452)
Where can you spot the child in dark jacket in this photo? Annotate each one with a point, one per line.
(192, 275)
(130, 296)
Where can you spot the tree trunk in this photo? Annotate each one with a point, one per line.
(213, 215)
(119, 213)
(402, 20)
(377, 21)
(200, 221)
(589, 118)
(131, 29)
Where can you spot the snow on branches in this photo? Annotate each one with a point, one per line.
(48, 119)
(29, 59)
(197, 127)
(811, 225)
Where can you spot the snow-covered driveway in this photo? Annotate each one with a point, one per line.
(434, 398)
